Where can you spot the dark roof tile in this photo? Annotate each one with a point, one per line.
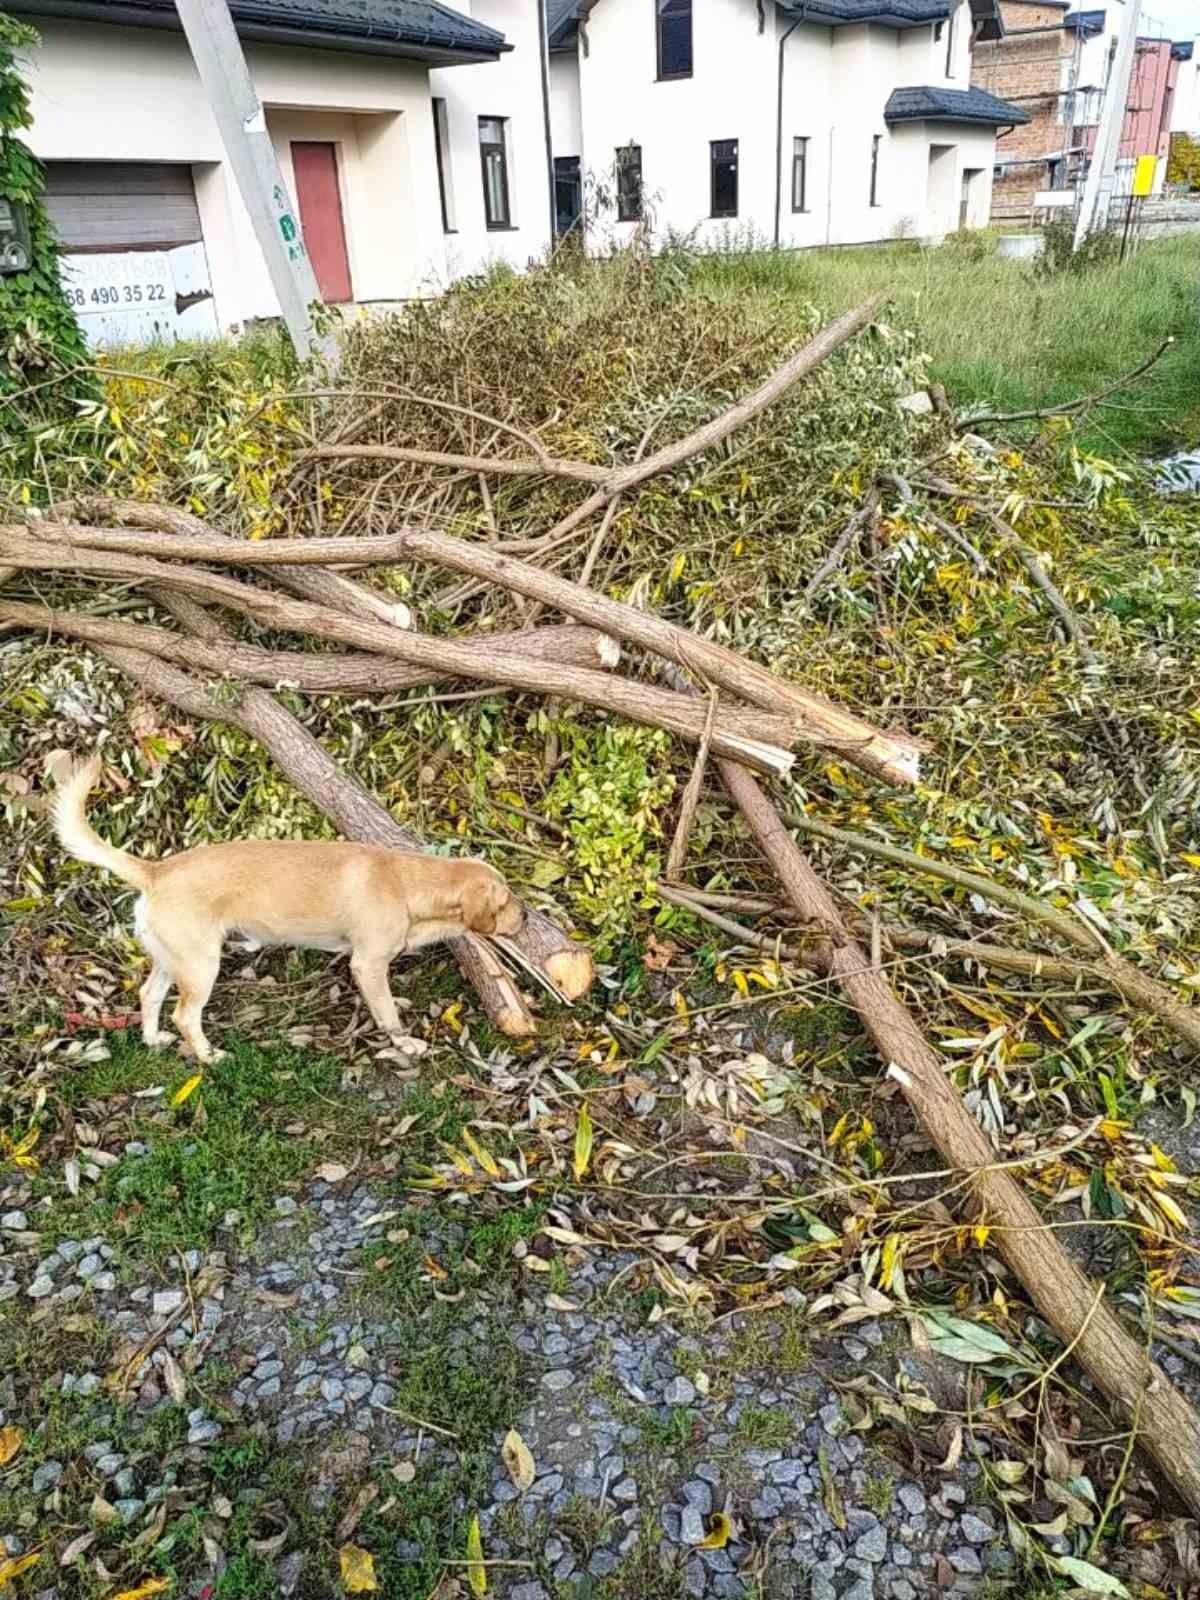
(928, 103)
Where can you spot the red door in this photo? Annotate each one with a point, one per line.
(320, 202)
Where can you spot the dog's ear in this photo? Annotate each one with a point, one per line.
(482, 900)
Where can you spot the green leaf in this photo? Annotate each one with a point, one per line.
(965, 1341)
(476, 1571)
(1089, 1577)
(583, 1142)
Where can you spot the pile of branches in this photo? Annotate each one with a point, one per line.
(622, 659)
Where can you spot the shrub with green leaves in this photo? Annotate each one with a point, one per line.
(39, 336)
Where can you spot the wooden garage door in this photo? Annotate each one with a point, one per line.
(117, 205)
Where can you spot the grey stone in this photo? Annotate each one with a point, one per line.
(565, 1568)
(69, 1292)
(872, 1545)
(358, 1388)
(558, 1379)
(203, 1432)
(109, 1464)
(624, 1492)
(69, 1249)
(695, 1580)
(332, 1388)
(46, 1476)
(285, 1206)
(166, 1301)
(680, 1392)
(822, 1586)
(382, 1394)
(14, 1221)
(103, 1282)
(760, 1458)
(527, 1591)
(40, 1288)
(267, 1369)
(902, 1590)
(604, 1563)
(269, 1389)
(90, 1265)
(124, 1482)
(964, 1559)
(787, 1471)
(902, 1556)
(129, 1510)
(975, 1530)
(87, 1383)
(698, 1493)
(290, 1571)
(691, 1525)
(708, 1470)
(911, 1498)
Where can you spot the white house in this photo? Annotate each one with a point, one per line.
(792, 122)
(1185, 109)
(373, 106)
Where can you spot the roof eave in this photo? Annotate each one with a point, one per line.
(312, 34)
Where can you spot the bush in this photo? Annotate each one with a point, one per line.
(39, 335)
(1184, 164)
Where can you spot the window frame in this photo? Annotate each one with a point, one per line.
(876, 141)
(659, 13)
(713, 162)
(630, 208)
(441, 149)
(800, 161)
(950, 20)
(495, 147)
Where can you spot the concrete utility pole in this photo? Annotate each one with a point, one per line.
(217, 52)
(1098, 187)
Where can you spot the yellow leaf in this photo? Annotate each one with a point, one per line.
(11, 1440)
(739, 982)
(19, 1564)
(839, 1128)
(516, 1456)
(452, 1014)
(719, 1534)
(1192, 861)
(1162, 1160)
(677, 567)
(583, 1142)
(145, 1590)
(980, 1233)
(476, 1571)
(186, 1090)
(460, 1161)
(680, 1005)
(358, 1569)
(484, 1157)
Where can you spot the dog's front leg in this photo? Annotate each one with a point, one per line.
(370, 971)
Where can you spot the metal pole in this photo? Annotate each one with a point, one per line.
(1102, 172)
(238, 113)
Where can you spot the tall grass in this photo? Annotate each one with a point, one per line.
(1001, 337)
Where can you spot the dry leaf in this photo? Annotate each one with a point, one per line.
(517, 1458)
(404, 1471)
(19, 1564)
(559, 1302)
(173, 1377)
(145, 1589)
(102, 1512)
(484, 1157)
(954, 1453)
(11, 1440)
(659, 954)
(583, 1142)
(720, 1531)
(352, 1518)
(358, 1569)
(332, 1172)
(476, 1571)
(76, 1548)
(187, 1089)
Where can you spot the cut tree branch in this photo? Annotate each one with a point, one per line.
(1070, 406)
(891, 756)
(1068, 1301)
(499, 466)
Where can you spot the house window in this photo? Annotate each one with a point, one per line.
(875, 140)
(493, 155)
(441, 145)
(724, 161)
(799, 174)
(950, 44)
(673, 28)
(629, 183)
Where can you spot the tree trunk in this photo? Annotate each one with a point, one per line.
(1064, 1296)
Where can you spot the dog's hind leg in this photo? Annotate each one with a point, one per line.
(154, 990)
(194, 978)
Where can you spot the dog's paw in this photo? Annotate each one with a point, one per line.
(157, 1040)
(214, 1056)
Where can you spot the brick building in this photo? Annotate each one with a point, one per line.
(1033, 65)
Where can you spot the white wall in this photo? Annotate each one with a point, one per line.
(566, 120)
(510, 88)
(377, 109)
(1185, 112)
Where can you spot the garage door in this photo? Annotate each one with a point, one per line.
(116, 205)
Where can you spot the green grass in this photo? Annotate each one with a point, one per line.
(999, 337)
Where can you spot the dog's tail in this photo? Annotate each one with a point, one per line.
(80, 839)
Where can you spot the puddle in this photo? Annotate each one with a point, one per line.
(1179, 474)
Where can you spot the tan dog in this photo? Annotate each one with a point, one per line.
(369, 901)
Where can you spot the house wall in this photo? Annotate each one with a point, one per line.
(510, 88)
(1153, 90)
(1035, 71)
(1185, 109)
(376, 110)
(566, 120)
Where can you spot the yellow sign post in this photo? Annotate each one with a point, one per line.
(1144, 172)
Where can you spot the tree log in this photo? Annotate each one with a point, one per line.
(315, 674)
(758, 738)
(891, 756)
(323, 588)
(1064, 1296)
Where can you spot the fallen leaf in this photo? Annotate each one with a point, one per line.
(102, 1512)
(19, 1564)
(145, 1589)
(720, 1531)
(954, 1453)
(1089, 1577)
(559, 1302)
(517, 1458)
(11, 1440)
(173, 1377)
(358, 1569)
(476, 1571)
(404, 1471)
(831, 1495)
(658, 957)
(187, 1089)
(76, 1548)
(484, 1157)
(332, 1172)
(583, 1142)
(352, 1518)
